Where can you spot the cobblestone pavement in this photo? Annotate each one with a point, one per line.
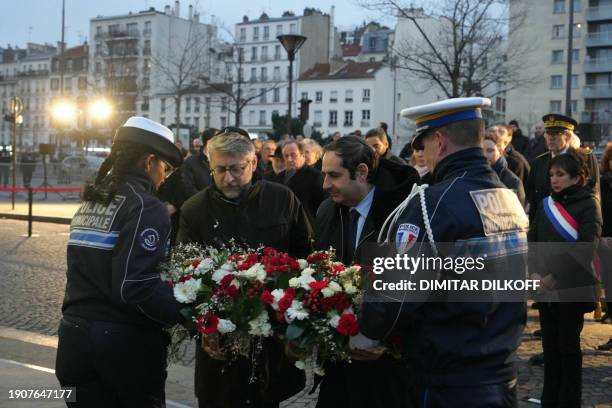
(32, 281)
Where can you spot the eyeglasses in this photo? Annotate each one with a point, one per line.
(236, 170)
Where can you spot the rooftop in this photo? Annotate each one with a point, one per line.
(348, 70)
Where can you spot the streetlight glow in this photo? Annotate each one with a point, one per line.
(100, 109)
(64, 112)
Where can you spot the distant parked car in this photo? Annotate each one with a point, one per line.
(78, 168)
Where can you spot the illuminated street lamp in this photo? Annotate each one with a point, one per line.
(100, 110)
(292, 44)
(64, 112)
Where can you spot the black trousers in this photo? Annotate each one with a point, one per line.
(561, 326)
(112, 365)
(485, 396)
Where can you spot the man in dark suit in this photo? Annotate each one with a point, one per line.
(517, 163)
(306, 182)
(377, 138)
(559, 130)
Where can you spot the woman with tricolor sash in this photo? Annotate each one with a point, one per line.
(569, 222)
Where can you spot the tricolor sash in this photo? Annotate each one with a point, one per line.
(561, 220)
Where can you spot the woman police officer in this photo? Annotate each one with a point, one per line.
(112, 346)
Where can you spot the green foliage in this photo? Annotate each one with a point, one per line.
(279, 124)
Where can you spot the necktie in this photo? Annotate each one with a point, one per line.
(353, 222)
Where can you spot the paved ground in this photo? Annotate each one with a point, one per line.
(32, 279)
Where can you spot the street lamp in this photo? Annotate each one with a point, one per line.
(64, 112)
(15, 109)
(292, 44)
(100, 110)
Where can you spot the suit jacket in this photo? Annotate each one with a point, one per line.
(307, 184)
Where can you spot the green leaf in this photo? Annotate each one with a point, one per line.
(294, 331)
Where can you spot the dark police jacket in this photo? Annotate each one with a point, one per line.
(538, 183)
(569, 264)
(266, 214)
(458, 344)
(517, 163)
(113, 254)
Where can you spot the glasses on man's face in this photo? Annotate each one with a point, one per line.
(236, 170)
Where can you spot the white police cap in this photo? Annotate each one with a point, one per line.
(151, 134)
(441, 113)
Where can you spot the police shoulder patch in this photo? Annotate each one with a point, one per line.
(149, 239)
(405, 237)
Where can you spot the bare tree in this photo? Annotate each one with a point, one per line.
(459, 46)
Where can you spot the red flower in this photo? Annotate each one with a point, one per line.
(196, 263)
(290, 292)
(280, 316)
(336, 269)
(318, 285)
(231, 291)
(348, 325)
(267, 297)
(337, 301)
(185, 278)
(227, 279)
(269, 251)
(169, 284)
(317, 257)
(284, 303)
(208, 323)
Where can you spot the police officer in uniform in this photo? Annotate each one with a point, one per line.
(461, 353)
(112, 346)
(559, 130)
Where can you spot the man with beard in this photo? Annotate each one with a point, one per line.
(462, 352)
(252, 213)
(363, 191)
(537, 145)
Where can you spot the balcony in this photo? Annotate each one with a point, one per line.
(33, 73)
(600, 39)
(133, 54)
(122, 35)
(598, 65)
(602, 91)
(599, 13)
(595, 117)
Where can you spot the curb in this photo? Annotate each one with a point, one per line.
(36, 218)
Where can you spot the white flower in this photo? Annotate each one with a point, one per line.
(334, 320)
(186, 292)
(260, 326)
(278, 295)
(205, 266)
(236, 283)
(350, 289)
(327, 292)
(335, 286)
(255, 272)
(320, 371)
(226, 326)
(300, 365)
(294, 282)
(220, 273)
(301, 282)
(303, 263)
(307, 272)
(296, 311)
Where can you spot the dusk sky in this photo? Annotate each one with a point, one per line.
(40, 20)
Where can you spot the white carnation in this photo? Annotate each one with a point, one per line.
(307, 272)
(334, 320)
(226, 326)
(303, 263)
(350, 289)
(303, 282)
(294, 282)
(255, 272)
(335, 286)
(278, 295)
(186, 292)
(260, 326)
(327, 292)
(220, 273)
(296, 311)
(205, 266)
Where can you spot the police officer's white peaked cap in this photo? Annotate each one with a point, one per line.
(438, 114)
(152, 134)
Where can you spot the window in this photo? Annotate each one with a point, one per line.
(559, 31)
(264, 74)
(188, 104)
(366, 95)
(556, 81)
(223, 104)
(253, 53)
(555, 106)
(277, 52)
(318, 118)
(98, 50)
(112, 29)
(575, 84)
(98, 32)
(266, 32)
(279, 29)
(557, 57)
(188, 121)
(577, 30)
(559, 6)
(196, 123)
(146, 83)
(54, 84)
(223, 122)
(147, 28)
(241, 54)
(255, 33)
(145, 103)
(276, 95)
(263, 96)
(575, 56)
(333, 96)
(262, 118)
(292, 28)
(348, 95)
(82, 83)
(252, 117)
(574, 106)
(243, 34)
(146, 50)
(277, 73)
(304, 95)
(162, 120)
(577, 6)
(132, 29)
(318, 96)
(162, 105)
(348, 118)
(253, 75)
(264, 53)
(365, 114)
(68, 84)
(333, 118)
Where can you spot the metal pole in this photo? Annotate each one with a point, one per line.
(570, 46)
(29, 212)
(291, 56)
(14, 159)
(394, 67)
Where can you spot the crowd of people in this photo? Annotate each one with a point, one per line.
(298, 196)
